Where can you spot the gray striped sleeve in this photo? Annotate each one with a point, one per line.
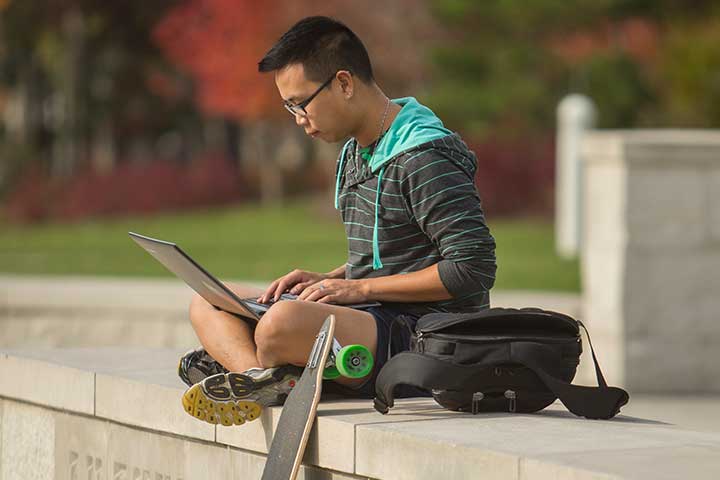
(445, 203)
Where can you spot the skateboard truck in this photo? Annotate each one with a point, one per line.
(352, 361)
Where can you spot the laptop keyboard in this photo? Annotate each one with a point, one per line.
(263, 307)
(284, 296)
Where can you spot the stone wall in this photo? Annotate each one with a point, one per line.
(115, 414)
(651, 258)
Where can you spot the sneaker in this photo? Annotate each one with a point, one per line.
(234, 398)
(196, 365)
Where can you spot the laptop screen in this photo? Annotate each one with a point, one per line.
(179, 263)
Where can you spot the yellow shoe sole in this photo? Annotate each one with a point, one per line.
(228, 412)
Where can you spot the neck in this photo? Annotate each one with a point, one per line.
(369, 126)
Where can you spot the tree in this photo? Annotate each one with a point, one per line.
(505, 65)
(79, 72)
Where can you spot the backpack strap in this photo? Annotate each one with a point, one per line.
(601, 402)
(410, 368)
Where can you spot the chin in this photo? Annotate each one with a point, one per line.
(325, 137)
(334, 138)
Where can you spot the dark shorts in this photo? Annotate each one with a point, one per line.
(398, 340)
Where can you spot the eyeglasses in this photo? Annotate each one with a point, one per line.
(299, 109)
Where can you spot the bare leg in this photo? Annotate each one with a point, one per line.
(227, 338)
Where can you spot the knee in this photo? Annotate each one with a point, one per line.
(198, 307)
(275, 330)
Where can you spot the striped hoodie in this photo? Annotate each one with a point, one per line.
(414, 203)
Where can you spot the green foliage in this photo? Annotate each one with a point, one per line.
(620, 83)
(502, 18)
(483, 86)
(689, 74)
(503, 65)
(14, 155)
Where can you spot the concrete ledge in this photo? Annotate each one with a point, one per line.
(33, 381)
(116, 413)
(47, 311)
(38, 293)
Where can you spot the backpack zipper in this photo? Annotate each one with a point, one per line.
(512, 396)
(469, 317)
(420, 342)
(462, 338)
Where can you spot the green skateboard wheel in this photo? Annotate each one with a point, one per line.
(354, 361)
(331, 373)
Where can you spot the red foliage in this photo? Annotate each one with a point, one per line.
(219, 42)
(638, 37)
(147, 188)
(516, 178)
(32, 196)
(513, 179)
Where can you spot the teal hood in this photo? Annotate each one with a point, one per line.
(414, 125)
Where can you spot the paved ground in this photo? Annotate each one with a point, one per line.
(699, 413)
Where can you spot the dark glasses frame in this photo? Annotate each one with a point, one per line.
(299, 108)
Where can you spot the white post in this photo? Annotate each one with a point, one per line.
(575, 115)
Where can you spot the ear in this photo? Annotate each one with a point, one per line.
(347, 84)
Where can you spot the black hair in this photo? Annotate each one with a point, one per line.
(323, 46)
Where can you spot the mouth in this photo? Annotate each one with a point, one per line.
(313, 134)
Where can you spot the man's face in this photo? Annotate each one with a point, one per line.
(327, 114)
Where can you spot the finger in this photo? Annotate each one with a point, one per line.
(332, 299)
(269, 291)
(317, 294)
(307, 292)
(297, 289)
(286, 282)
(313, 281)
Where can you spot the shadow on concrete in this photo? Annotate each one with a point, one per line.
(403, 413)
(618, 419)
(267, 424)
(397, 413)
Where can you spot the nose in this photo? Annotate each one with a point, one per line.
(301, 120)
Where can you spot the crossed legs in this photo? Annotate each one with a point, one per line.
(284, 335)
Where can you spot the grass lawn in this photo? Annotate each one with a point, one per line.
(248, 242)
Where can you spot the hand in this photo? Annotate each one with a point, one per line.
(336, 291)
(297, 281)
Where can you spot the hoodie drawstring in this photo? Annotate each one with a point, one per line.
(339, 174)
(377, 263)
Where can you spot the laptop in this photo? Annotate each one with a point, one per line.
(210, 288)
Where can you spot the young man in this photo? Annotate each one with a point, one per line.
(417, 238)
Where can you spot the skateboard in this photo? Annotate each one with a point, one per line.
(327, 360)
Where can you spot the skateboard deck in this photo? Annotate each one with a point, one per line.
(298, 414)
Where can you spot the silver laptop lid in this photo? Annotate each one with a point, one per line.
(180, 263)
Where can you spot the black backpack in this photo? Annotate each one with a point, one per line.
(500, 359)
